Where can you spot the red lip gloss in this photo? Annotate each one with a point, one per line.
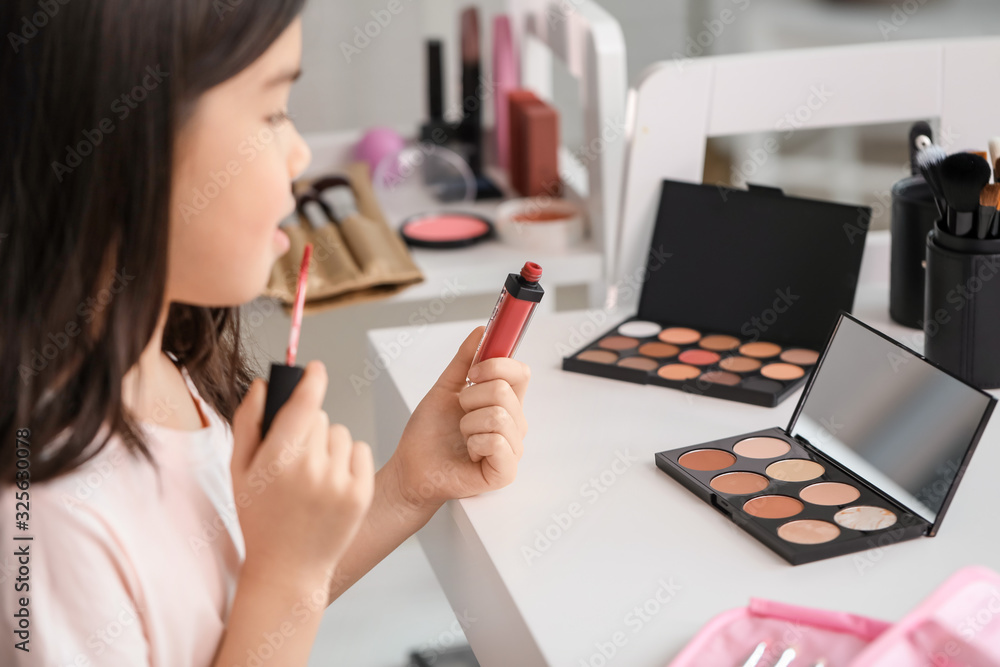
(520, 294)
(284, 377)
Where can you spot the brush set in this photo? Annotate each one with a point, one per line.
(965, 198)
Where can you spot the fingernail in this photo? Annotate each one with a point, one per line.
(474, 372)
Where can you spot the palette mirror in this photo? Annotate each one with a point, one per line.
(906, 429)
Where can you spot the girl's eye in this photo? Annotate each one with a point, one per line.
(279, 118)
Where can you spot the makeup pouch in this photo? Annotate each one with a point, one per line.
(355, 259)
(957, 626)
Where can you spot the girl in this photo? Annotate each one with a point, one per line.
(162, 530)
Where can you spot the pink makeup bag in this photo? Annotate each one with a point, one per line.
(957, 626)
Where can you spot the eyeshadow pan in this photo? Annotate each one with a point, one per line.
(760, 384)
(680, 335)
(829, 493)
(719, 343)
(706, 459)
(721, 377)
(760, 350)
(739, 364)
(678, 372)
(639, 363)
(598, 356)
(795, 470)
(659, 350)
(761, 447)
(773, 507)
(782, 371)
(739, 483)
(800, 356)
(865, 517)
(639, 329)
(698, 357)
(808, 531)
(618, 343)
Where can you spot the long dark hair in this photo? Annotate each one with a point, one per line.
(94, 95)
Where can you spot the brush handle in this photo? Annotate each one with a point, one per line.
(280, 385)
(985, 222)
(961, 223)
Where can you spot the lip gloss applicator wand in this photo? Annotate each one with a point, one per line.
(285, 376)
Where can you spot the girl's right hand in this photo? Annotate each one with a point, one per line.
(302, 492)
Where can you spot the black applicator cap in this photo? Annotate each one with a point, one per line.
(280, 386)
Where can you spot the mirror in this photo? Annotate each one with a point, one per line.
(891, 417)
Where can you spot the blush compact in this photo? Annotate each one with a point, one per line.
(445, 229)
(873, 454)
(740, 291)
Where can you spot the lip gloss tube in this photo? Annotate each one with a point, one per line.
(520, 294)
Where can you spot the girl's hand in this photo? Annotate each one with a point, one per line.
(461, 440)
(301, 493)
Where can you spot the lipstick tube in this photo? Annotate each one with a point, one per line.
(520, 294)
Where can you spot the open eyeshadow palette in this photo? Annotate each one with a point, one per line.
(721, 365)
(742, 288)
(872, 456)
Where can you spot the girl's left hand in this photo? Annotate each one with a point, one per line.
(462, 440)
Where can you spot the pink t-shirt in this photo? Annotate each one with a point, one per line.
(125, 568)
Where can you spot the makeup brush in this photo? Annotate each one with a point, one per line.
(285, 376)
(929, 161)
(920, 138)
(994, 146)
(989, 198)
(963, 176)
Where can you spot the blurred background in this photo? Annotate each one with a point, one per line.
(399, 608)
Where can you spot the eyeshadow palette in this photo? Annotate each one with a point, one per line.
(740, 290)
(873, 454)
(717, 364)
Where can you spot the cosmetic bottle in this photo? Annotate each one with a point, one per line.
(520, 295)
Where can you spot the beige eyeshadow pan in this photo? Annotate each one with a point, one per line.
(795, 470)
(829, 493)
(808, 531)
(761, 447)
(598, 356)
(679, 335)
(782, 371)
(678, 372)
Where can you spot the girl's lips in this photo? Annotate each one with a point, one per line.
(281, 241)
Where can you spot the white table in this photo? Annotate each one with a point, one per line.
(638, 529)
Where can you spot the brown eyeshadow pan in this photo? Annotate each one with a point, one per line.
(639, 363)
(706, 459)
(598, 356)
(773, 507)
(800, 356)
(659, 350)
(719, 343)
(618, 343)
(739, 483)
(760, 350)
(721, 377)
(739, 364)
